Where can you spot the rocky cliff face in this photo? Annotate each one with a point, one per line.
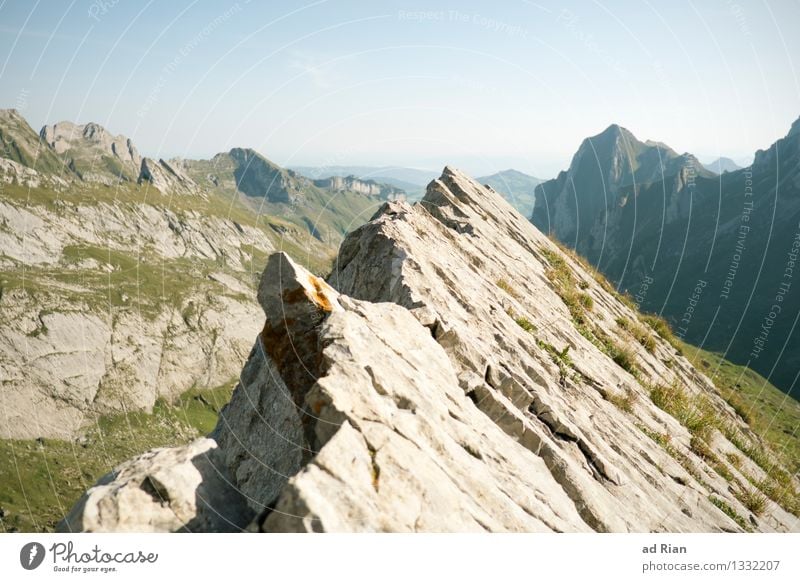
(353, 184)
(587, 205)
(457, 372)
(167, 178)
(120, 304)
(92, 152)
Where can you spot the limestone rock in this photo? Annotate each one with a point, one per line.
(439, 382)
(465, 255)
(395, 453)
(66, 356)
(165, 490)
(12, 172)
(353, 184)
(166, 177)
(92, 152)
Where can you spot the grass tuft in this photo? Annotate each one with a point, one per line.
(624, 401)
(695, 412)
(700, 448)
(639, 333)
(753, 499)
(730, 512)
(662, 328)
(505, 286)
(624, 356)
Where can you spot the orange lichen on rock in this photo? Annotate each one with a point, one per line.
(319, 296)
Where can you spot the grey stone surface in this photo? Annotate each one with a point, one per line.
(181, 489)
(412, 399)
(65, 357)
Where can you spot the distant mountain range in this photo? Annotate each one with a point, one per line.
(722, 165)
(714, 253)
(411, 180)
(516, 187)
(90, 154)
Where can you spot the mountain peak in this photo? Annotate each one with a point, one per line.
(93, 152)
(722, 165)
(615, 131)
(245, 155)
(608, 143)
(614, 128)
(605, 170)
(258, 177)
(22, 145)
(452, 171)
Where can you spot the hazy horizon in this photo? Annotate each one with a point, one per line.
(331, 83)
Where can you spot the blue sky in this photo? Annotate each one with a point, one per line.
(483, 85)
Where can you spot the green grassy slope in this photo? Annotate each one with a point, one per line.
(19, 143)
(772, 414)
(41, 480)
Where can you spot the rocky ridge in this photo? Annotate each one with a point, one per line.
(442, 380)
(167, 178)
(92, 152)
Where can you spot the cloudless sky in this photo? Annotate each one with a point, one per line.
(483, 85)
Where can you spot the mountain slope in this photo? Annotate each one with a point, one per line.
(20, 144)
(466, 376)
(708, 252)
(243, 174)
(516, 187)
